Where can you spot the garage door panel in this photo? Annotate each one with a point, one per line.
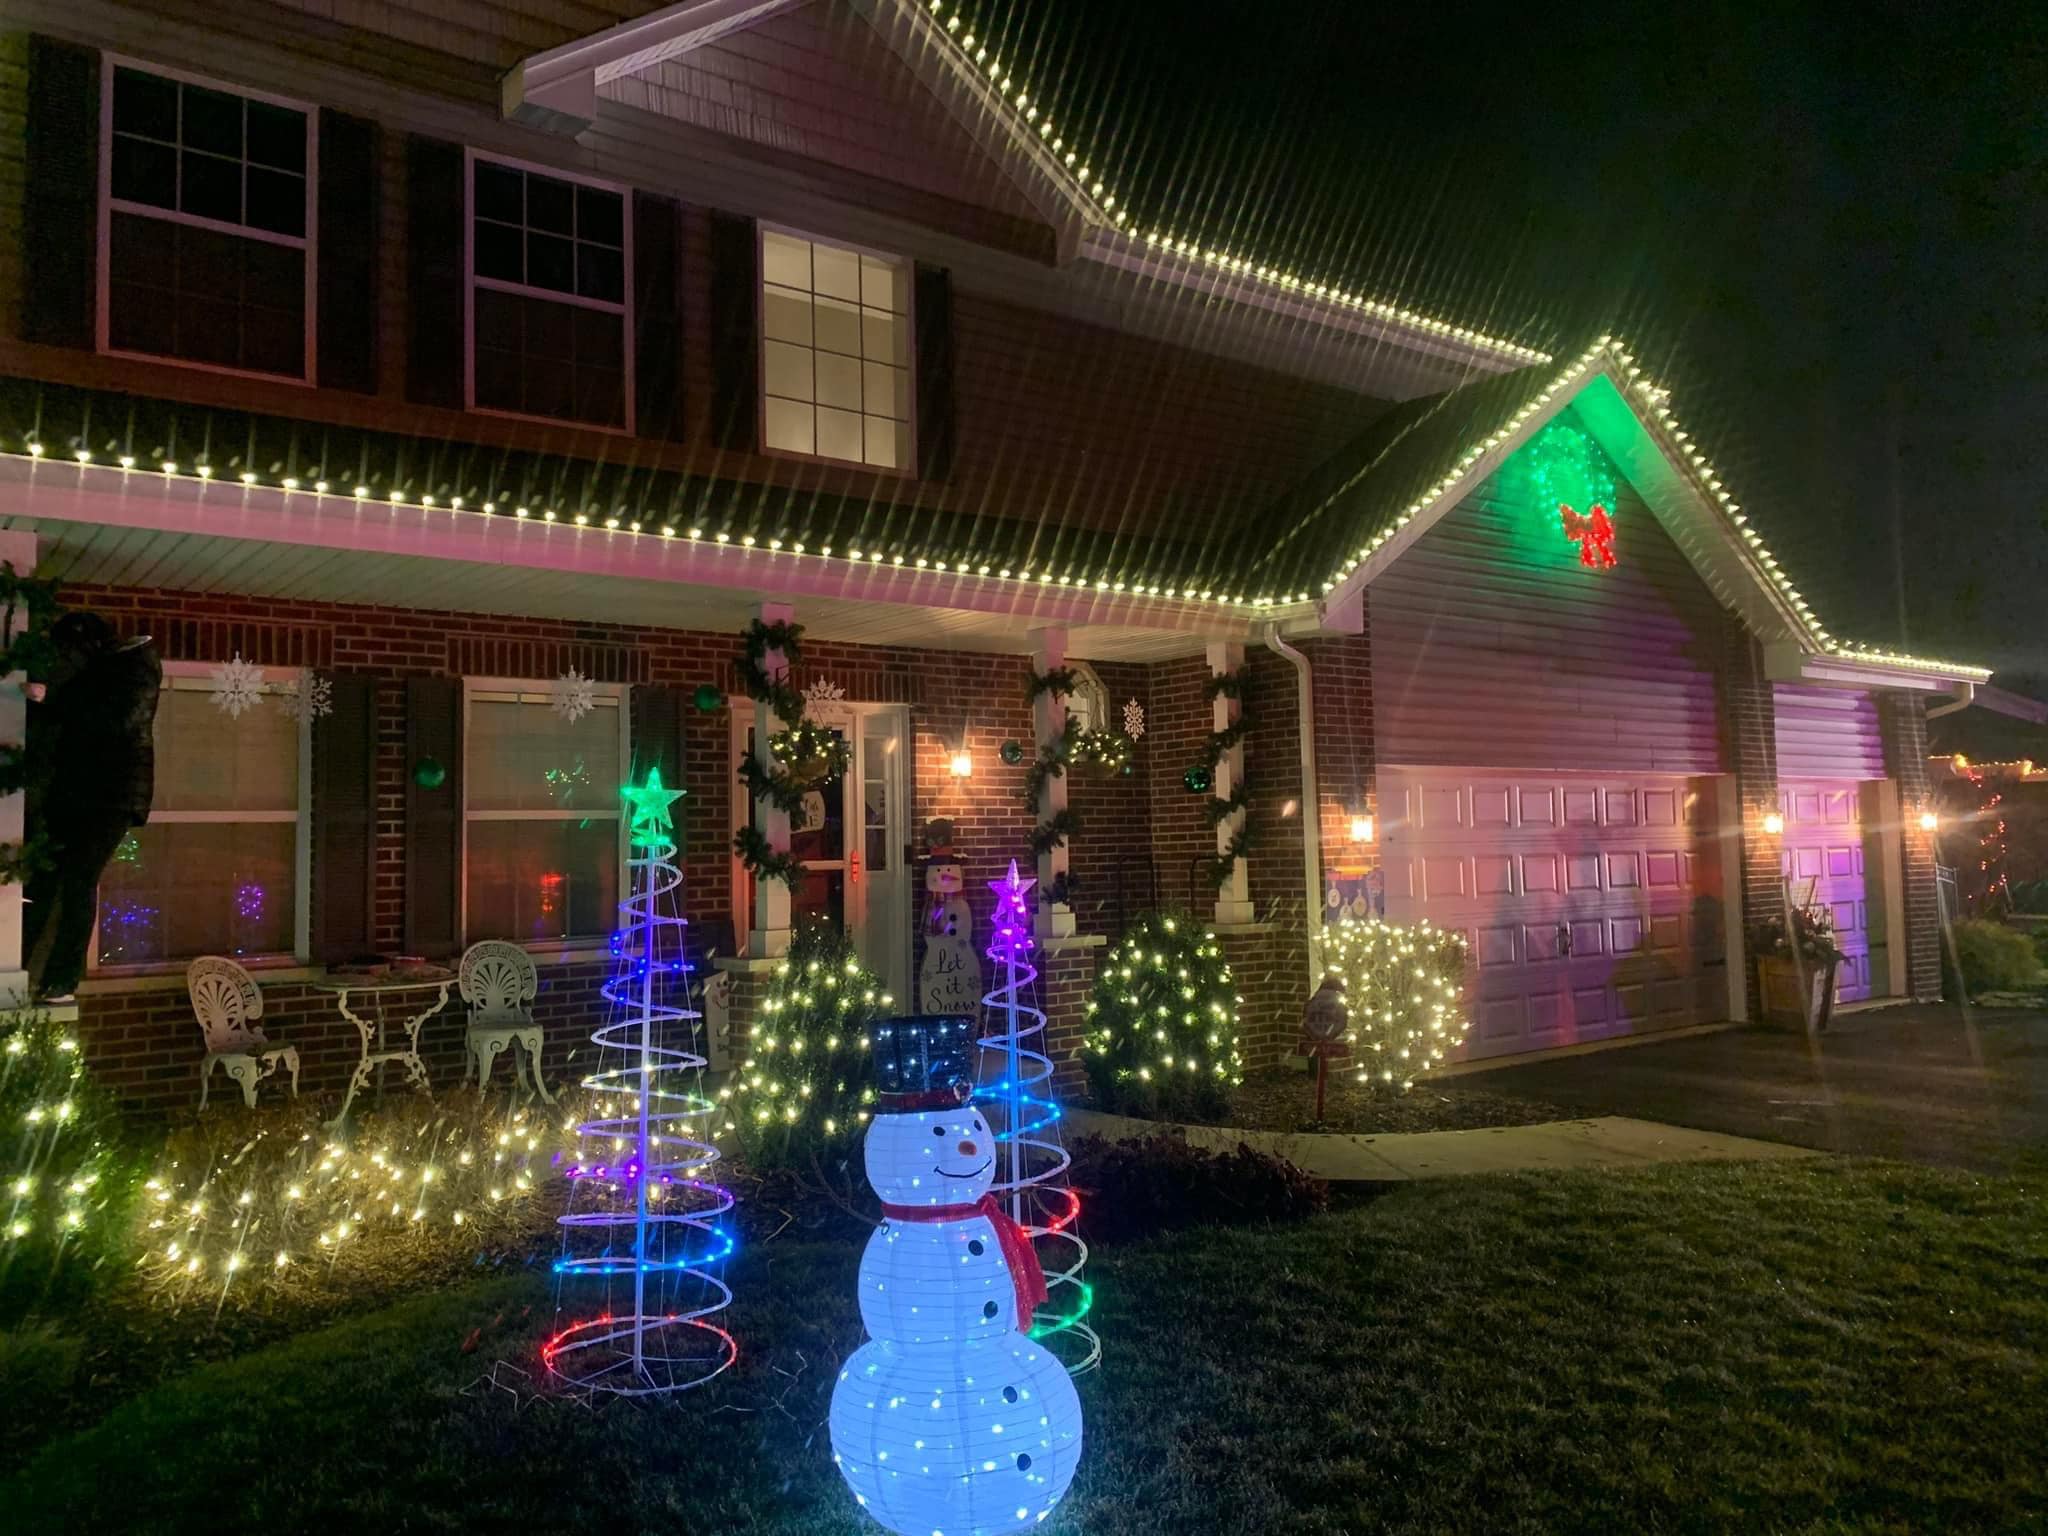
(1823, 855)
(1524, 862)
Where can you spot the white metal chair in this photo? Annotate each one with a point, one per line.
(229, 1003)
(498, 982)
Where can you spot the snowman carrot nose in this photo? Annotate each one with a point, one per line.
(967, 1148)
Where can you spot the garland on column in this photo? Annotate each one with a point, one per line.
(804, 754)
(1220, 808)
(27, 609)
(1051, 762)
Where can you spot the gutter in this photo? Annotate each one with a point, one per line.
(1311, 805)
(1965, 694)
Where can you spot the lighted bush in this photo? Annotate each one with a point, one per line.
(240, 1206)
(1162, 1024)
(1401, 986)
(800, 1097)
(1995, 958)
(68, 1179)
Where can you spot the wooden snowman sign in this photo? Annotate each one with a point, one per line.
(949, 981)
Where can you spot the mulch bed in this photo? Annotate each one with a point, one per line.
(1279, 1099)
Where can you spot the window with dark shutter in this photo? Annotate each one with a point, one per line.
(436, 316)
(60, 193)
(934, 374)
(735, 332)
(209, 254)
(351, 207)
(657, 317)
(548, 313)
(433, 815)
(345, 820)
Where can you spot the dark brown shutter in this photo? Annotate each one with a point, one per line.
(437, 318)
(345, 820)
(60, 198)
(657, 317)
(433, 817)
(351, 201)
(934, 302)
(657, 733)
(735, 332)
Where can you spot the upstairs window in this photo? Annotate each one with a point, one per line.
(835, 352)
(207, 245)
(548, 281)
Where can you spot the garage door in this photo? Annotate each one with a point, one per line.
(1581, 895)
(1822, 852)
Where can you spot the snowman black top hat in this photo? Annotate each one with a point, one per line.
(924, 1062)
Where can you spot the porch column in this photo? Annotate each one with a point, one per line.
(769, 932)
(20, 549)
(1048, 719)
(1234, 896)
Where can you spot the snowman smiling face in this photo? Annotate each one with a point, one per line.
(931, 1156)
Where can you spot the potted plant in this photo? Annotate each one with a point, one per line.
(1796, 971)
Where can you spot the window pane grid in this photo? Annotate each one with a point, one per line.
(541, 860)
(209, 154)
(835, 352)
(215, 869)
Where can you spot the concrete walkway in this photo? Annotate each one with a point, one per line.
(1611, 1141)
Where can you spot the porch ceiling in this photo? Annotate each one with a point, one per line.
(101, 554)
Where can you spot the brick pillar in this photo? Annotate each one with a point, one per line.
(1266, 966)
(1049, 718)
(1752, 725)
(1066, 978)
(1902, 720)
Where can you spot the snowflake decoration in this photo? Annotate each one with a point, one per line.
(1134, 719)
(309, 698)
(236, 687)
(574, 696)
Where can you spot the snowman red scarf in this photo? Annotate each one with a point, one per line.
(1025, 1274)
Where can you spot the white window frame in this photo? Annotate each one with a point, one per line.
(471, 282)
(109, 205)
(907, 470)
(197, 677)
(515, 690)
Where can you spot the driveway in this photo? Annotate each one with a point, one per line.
(1923, 1082)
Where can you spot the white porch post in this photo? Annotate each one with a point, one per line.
(1049, 719)
(20, 548)
(769, 935)
(1234, 897)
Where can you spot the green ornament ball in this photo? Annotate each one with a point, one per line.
(1013, 752)
(1196, 780)
(429, 773)
(1129, 768)
(707, 697)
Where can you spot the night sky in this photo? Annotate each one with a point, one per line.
(1827, 234)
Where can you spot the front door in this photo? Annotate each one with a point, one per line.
(848, 838)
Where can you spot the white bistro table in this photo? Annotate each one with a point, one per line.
(373, 990)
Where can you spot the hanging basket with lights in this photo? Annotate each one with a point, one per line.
(804, 754)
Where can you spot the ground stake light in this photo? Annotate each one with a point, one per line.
(644, 1230)
(951, 1420)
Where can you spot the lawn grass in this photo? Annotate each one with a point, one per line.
(1282, 1099)
(1812, 1346)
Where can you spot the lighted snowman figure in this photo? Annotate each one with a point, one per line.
(951, 1420)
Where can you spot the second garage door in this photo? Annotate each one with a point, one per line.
(1823, 857)
(1584, 898)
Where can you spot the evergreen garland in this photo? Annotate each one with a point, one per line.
(27, 610)
(1228, 685)
(1051, 762)
(806, 754)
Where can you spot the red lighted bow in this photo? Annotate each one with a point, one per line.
(1594, 534)
(1025, 1275)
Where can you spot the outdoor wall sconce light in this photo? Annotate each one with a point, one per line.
(1773, 823)
(1929, 821)
(1361, 829)
(961, 766)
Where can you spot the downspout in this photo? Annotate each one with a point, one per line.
(1960, 699)
(1311, 804)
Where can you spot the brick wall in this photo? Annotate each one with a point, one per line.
(1902, 720)
(1749, 718)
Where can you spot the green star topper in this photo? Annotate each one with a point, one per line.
(650, 801)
